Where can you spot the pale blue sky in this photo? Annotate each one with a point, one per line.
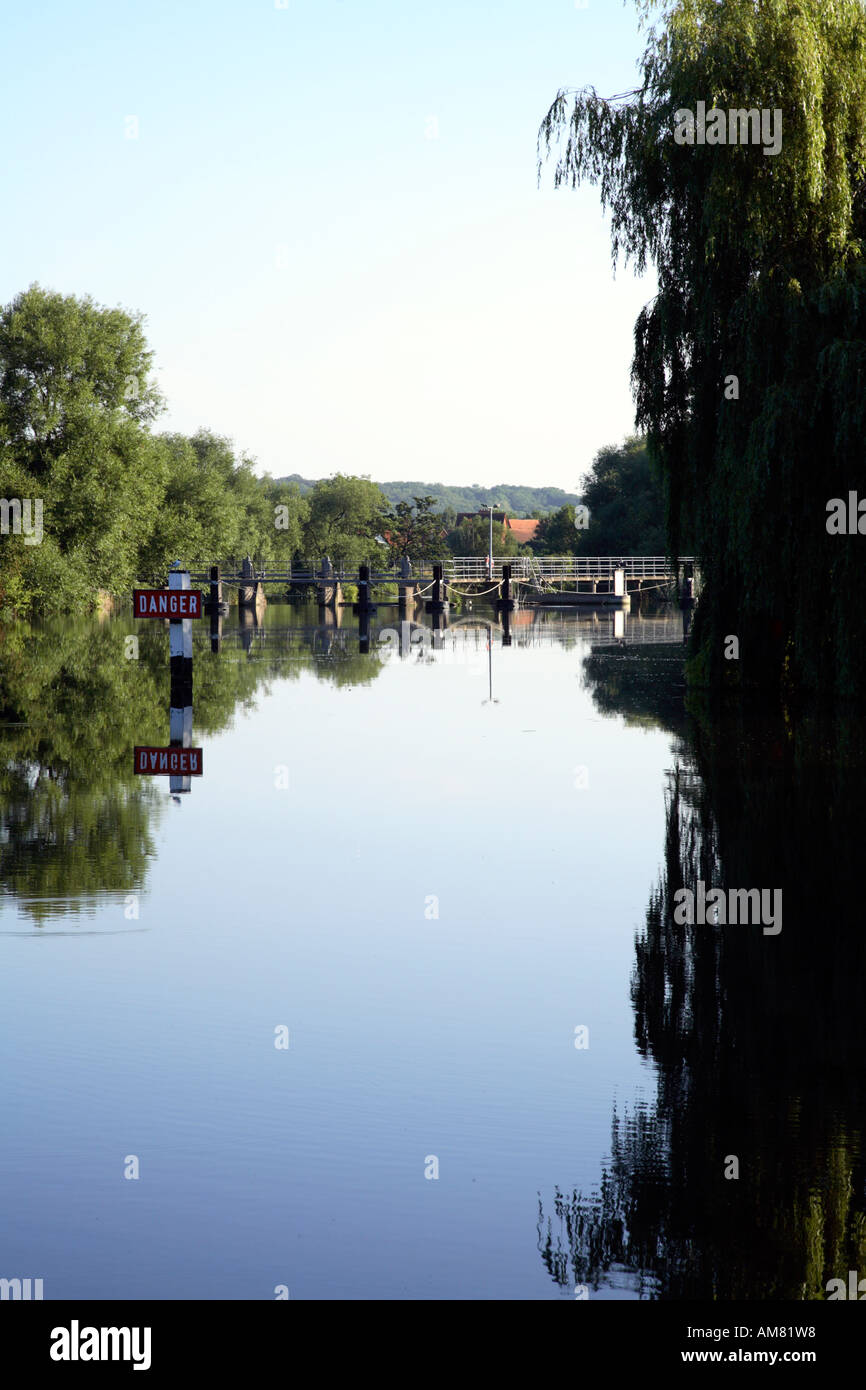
(331, 220)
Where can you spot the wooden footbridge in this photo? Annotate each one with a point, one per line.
(533, 579)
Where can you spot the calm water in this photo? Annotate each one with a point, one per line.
(447, 871)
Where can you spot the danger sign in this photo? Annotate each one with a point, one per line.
(168, 762)
(166, 603)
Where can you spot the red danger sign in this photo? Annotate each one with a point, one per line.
(166, 603)
(168, 762)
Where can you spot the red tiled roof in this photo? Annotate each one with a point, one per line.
(524, 529)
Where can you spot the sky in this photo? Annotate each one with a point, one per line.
(328, 212)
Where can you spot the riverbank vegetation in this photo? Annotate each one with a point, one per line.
(97, 500)
(748, 364)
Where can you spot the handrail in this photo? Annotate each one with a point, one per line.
(476, 568)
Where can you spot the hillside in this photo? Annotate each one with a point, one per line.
(510, 497)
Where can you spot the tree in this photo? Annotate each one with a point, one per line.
(214, 510)
(749, 362)
(197, 522)
(472, 537)
(414, 530)
(288, 512)
(346, 514)
(626, 504)
(556, 534)
(75, 403)
(62, 359)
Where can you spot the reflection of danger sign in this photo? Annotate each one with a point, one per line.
(166, 603)
(171, 762)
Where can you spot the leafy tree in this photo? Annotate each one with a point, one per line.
(416, 531)
(61, 359)
(197, 522)
(346, 514)
(625, 498)
(214, 510)
(75, 402)
(556, 534)
(749, 362)
(472, 537)
(288, 513)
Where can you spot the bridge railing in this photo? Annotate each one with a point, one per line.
(473, 569)
(561, 567)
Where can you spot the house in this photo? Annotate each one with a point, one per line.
(523, 528)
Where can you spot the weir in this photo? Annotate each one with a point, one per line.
(608, 581)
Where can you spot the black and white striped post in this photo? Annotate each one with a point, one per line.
(180, 698)
(180, 641)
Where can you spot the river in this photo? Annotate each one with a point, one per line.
(392, 1003)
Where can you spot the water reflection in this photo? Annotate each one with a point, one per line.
(75, 822)
(758, 1041)
(318, 907)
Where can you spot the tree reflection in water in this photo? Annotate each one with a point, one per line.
(758, 1042)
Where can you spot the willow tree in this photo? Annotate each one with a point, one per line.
(750, 362)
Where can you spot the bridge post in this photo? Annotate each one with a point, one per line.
(438, 602)
(406, 589)
(246, 592)
(687, 603)
(505, 603)
(330, 593)
(248, 619)
(216, 588)
(363, 629)
(363, 605)
(250, 594)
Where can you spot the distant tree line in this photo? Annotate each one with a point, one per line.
(516, 500)
(95, 500)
